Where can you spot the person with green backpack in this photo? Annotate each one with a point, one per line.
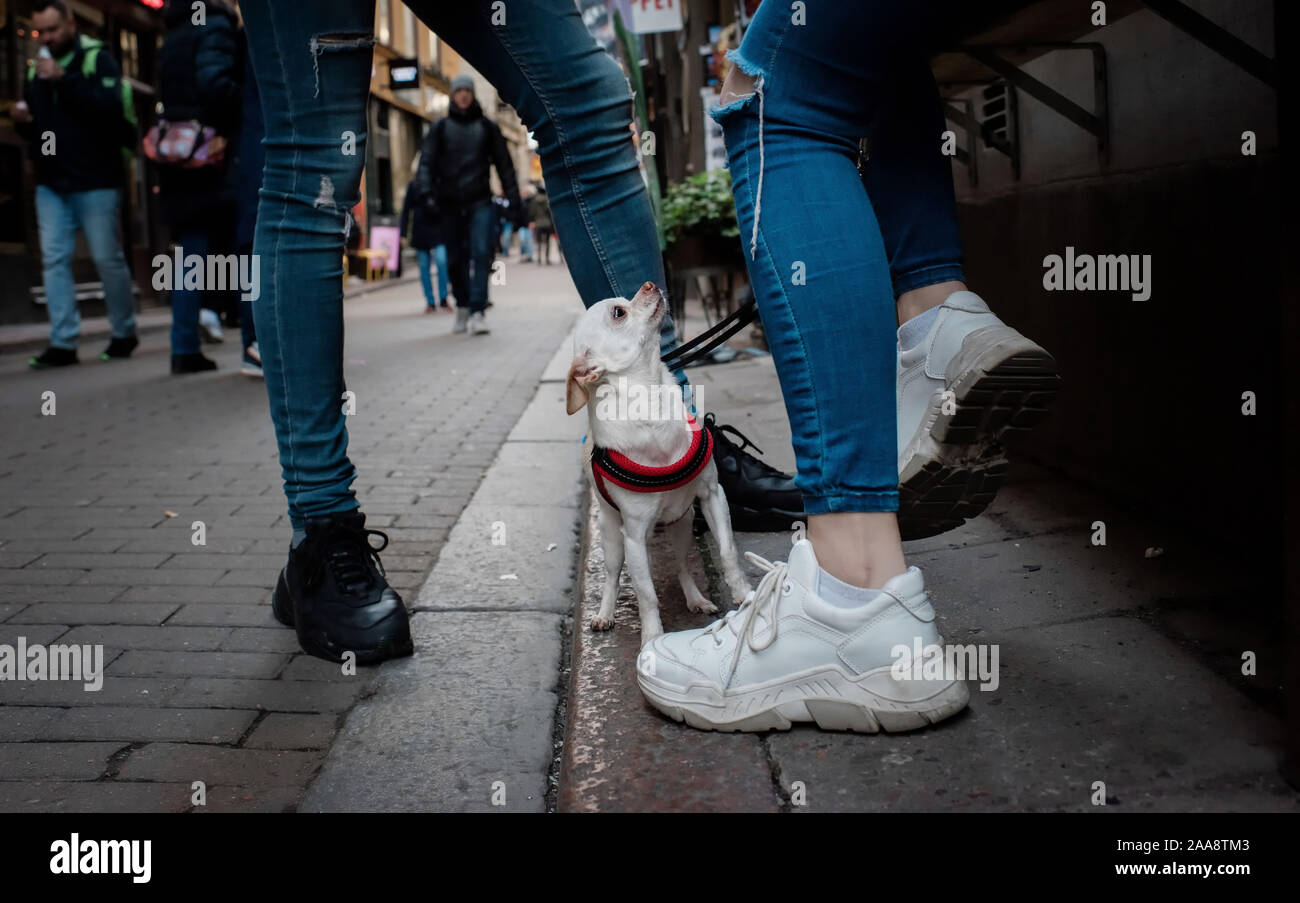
(77, 118)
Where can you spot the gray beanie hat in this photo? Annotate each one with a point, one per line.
(462, 81)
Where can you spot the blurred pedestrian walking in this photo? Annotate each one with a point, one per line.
(453, 178)
(539, 215)
(525, 229)
(200, 75)
(422, 233)
(76, 116)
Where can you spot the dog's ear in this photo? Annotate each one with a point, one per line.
(581, 374)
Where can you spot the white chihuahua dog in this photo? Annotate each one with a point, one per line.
(649, 458)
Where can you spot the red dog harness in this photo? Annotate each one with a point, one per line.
(621, 470)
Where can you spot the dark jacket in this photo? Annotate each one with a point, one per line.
(539, 211)
(199, 77)
(416, 223)
(87, 120)
(455, 157)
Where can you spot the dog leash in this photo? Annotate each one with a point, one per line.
(711, 338)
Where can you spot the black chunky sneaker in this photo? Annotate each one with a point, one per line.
(762, 499)
(191, 363)
(53, 357)
(119, 348)
(334, 592)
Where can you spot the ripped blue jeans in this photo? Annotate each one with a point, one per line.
(312, 62)
(828, 256)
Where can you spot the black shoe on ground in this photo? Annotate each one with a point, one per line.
(191, 363)
(120, 348)
(762, 499)
(334, 593)
(53, 357)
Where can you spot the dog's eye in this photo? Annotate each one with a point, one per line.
(618, 313)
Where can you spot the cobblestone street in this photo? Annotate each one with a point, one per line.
(97, 504)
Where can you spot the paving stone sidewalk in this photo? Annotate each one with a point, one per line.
(97, 505)
(470, 723)
(16, 338)
(1114, 667)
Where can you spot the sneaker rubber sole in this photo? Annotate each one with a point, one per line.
(389, 640)
(42, 365)
(827, 697)
(1003, 385)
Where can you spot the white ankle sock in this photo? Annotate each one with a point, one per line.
(916, 328)
(840, 594)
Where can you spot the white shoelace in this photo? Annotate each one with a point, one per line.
(762, 598)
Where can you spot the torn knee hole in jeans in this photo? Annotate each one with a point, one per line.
(334, 43)
(325, 201)
(325, 42)
(743, 83)
(739, 85)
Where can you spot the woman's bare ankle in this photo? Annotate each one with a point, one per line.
(861, 549)
(918, 301)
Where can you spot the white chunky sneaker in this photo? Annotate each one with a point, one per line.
(462, 320)
(210, 327)
(478, 324)
(786, 655)
(966, 387)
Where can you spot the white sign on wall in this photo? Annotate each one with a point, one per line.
(650, 16)
(715, 146)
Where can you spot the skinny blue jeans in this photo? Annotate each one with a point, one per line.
(438, 258)
(472, 241)
(525, 239)
(312, 62)
(827, 251)
(97, 214)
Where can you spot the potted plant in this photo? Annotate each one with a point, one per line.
(699, 219)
